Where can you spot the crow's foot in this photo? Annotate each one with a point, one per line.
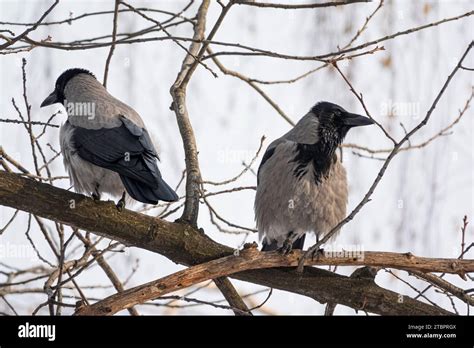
(121, 203)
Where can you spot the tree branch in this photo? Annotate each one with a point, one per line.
(193, 173)
(112, 47)
(29, 30)
(298, 6)
(178, 92)
(188, 246)
(232, 296)
(249, 258)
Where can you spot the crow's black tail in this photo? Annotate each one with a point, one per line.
(147, 194)
(297, 244)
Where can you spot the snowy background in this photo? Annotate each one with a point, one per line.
(418, 206)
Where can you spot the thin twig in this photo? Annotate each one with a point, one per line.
(112, 47)
(298, 6)
(29, 30)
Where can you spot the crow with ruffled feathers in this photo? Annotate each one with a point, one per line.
(301, 183)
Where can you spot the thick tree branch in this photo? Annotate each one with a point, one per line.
(178, 92)
(214, 269)
(193, 173)
(232, 296)
(185, 245)
(248, 258)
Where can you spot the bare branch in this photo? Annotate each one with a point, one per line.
(33, 123)
(252, 84)
(29, 30)
(232, 296)
(186, 245)
(361, 100)
(178, 92)
(112, 46)
(444, 285)
(298, 6)
(249, 258)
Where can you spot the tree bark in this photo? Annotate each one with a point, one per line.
(186, 245)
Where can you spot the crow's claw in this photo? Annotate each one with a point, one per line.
(318, 252)
(287, 247)
(96, 197)
(121, 203)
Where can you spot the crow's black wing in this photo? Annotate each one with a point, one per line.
(128, 151)
(265, 158)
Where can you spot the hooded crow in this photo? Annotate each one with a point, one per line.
(105, 144)
(301, 184)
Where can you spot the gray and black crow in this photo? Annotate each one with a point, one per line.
(105, 144)
(301, 183)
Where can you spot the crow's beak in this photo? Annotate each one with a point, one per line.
(354, 120)
(50, 99)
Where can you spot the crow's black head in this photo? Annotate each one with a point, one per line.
(57, 96)
(335, 122)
